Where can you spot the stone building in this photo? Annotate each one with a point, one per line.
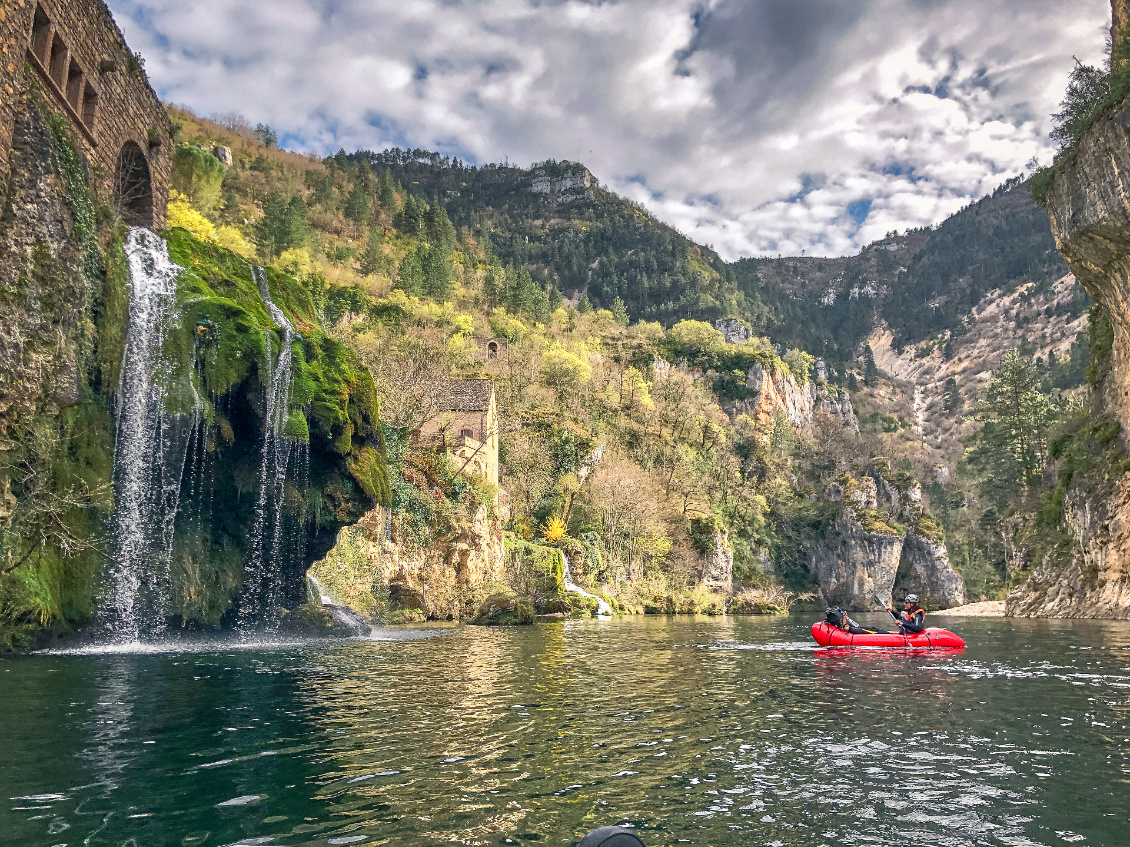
(493, 351)
(75, 54)
(467, 427)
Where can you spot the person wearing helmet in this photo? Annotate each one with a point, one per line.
(912, 619)
(840, 620)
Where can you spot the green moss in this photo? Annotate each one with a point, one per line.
(505, 610)
(925, 526)
(874, 521)
(367, 466)
(296, 426)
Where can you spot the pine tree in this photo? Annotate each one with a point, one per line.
(387, 195)
(870, 369)
(357, 204)
(1011, 449)
(620, 311)
(283, 225)
(951, 397)
(435, 264)
(373, 259)
(410, 274)
(585, 306)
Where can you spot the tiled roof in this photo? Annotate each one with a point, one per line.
(466, 395)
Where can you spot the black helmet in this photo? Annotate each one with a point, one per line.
(911, 598)
(835, 617)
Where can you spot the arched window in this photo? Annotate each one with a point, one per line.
(492, 349)
(41, 37)
(133, 190)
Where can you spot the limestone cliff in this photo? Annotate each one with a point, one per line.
(1090, 219)
(378, 569)
(925, 570)
(1096, 581)
(853, 563)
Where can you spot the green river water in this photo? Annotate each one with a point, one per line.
(703, 731)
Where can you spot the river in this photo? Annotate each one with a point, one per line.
(703, 731)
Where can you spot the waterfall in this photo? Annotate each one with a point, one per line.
(602, 605)
(262, 593)
(150, 447)
(315, 593)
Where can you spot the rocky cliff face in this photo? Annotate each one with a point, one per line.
(853, 564)
(925, 570)
(1096, 582)
(1091, 224)
(378, 570)
(718, 565)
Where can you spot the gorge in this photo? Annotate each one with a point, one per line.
(689, 435)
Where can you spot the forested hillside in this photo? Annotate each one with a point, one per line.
(607, 313)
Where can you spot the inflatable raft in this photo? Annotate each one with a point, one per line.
(829, 636)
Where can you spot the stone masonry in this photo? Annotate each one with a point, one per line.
(75, 53)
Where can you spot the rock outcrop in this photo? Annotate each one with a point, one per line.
(853, 564)
(447, 579)
(1096, 581)
(718, 565)
(1090, 220)
(925, 570)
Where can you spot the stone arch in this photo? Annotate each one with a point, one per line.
(492, 349)
(133, 189)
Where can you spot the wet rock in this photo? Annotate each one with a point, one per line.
(505, 610)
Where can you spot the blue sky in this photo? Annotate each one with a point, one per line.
(757, 126)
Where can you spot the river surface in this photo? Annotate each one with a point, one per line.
(702, 731)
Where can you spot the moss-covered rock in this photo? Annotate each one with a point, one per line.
(505, 610)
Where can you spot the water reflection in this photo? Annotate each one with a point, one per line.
(716, 732)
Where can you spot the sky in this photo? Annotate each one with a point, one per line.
(759, 127)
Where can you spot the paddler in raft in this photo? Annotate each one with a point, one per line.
(912, 618)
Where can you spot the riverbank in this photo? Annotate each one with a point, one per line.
(984, 609)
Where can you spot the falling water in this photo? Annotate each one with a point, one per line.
(262, 596)
(602, 607)
(150, 447)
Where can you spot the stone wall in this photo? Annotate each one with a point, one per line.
(77, 56)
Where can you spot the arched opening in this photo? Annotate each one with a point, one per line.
(133, 190)
(74, 87)
(89, 106)
(41, 36)
(492, 350)
(58, 66)
(468, 433)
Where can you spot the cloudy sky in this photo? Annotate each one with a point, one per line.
(757, 126)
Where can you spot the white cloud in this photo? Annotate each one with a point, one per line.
(760, 126)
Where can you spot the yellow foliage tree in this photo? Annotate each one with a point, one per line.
(181, 214)
(554, 530)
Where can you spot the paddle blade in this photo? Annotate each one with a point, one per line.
(882, 602)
